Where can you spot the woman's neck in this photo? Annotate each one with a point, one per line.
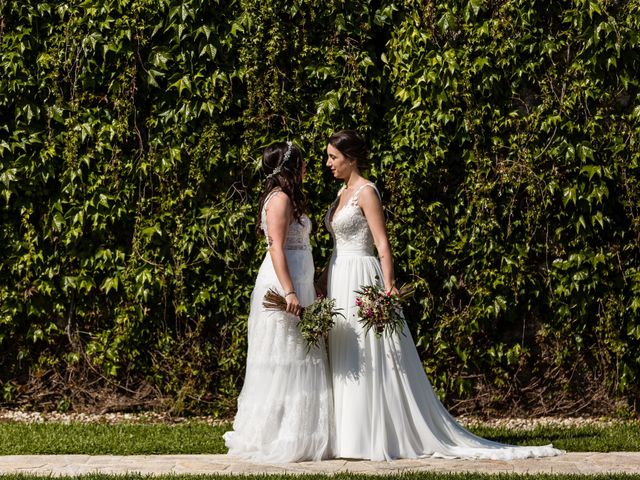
(353, 179)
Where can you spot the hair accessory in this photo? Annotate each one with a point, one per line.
(285, 159)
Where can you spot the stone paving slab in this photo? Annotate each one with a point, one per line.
(57, 465)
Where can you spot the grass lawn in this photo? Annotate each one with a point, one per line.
(199, 437)
(103, 439)
(621, 437)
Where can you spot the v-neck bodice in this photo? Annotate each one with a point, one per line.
(349, 227)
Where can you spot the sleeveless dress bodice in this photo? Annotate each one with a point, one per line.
(349, 227)
(298, 233)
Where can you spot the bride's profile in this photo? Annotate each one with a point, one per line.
(384, 405)
(285, 406)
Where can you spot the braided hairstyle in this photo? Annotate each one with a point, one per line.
(285, 175)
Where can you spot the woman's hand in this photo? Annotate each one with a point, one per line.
(392, 291)
(293, 304)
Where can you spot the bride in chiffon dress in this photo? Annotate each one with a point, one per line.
(384, 405)
(285, 407)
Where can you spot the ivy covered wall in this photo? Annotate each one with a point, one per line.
(505, 138)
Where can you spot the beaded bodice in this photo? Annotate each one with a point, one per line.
(349, 226)
(298, 233)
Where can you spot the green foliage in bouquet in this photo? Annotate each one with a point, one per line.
(316, 320)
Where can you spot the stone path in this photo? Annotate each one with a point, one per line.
(575, 463)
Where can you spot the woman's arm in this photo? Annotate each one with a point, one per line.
(279, 213)
(372, 207)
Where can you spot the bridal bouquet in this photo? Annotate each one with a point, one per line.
(315, 320)
(380, 310)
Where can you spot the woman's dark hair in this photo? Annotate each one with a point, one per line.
(353, 146)
(283, 174)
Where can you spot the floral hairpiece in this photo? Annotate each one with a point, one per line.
(285, 159)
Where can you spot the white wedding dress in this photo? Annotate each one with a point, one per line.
(285, 407)
(384, 405)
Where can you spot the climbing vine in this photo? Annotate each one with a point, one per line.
(504, 139)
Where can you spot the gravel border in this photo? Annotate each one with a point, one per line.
(25, 417)
(18, 416)
(533, 423)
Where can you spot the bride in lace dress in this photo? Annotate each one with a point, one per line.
(384, 405)
(285, 407)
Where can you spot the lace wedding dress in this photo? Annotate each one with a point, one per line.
(384, 405)
(285, 407)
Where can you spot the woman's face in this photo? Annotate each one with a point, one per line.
(340, 166)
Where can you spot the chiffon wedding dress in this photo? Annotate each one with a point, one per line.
(285, 407)
(384, 405)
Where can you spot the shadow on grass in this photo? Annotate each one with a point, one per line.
(618, 437)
